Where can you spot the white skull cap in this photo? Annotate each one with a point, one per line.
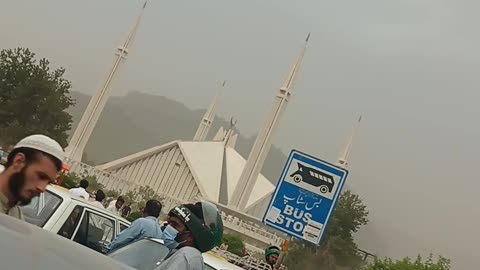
(44, 144)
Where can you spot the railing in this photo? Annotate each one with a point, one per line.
(246, 262)
(251, 229)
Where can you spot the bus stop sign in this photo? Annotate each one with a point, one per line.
(305, 197)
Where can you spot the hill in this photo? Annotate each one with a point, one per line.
(138, 121)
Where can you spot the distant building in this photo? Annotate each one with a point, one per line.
(212, 170)
(189, 169)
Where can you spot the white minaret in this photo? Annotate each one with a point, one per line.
(97, 102)
(264, 139)
(343, 159)
(207, 119)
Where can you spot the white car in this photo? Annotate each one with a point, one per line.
(24, 246)
(57, 211)
(147, 254)
(215, 262)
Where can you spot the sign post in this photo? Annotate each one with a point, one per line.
(305, 197)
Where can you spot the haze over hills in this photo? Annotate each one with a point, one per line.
(138, 121)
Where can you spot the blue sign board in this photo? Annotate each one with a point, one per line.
(305, 197)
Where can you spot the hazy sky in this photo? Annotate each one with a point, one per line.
(409, 66)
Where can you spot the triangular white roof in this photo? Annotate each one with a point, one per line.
(205, 162)
(205, 159)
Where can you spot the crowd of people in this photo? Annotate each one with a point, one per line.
(190, 229)
(115, 206)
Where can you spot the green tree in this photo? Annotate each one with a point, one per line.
(93, 184)
(71, 180)
(338, 249)
(138, 197)
(113, 193)
(408, 264)
(134, 215)
(33, 98)
(235, 244)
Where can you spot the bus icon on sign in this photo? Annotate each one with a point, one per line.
(314, 178)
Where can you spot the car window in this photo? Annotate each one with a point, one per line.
(68, 228)
(123, 227)
(95, 231)
(41, 208)
(142, 255)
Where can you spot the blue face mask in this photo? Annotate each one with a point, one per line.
(169, 235)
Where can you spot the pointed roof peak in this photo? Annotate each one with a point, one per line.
(208, 117)
(295, 68)
(343, 160)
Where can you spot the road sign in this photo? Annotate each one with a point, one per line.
(305, 197)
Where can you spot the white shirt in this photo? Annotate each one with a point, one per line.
(80, 192)
(112, 208)
(98, 204)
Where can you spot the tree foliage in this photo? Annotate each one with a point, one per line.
(138, 197)
(235, 244)
(73, 179)
(33, 98)
(134, 215)
(409, 264)
(338, 249)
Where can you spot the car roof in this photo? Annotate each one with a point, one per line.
(63, 192)
(218, 262)
(25, 246)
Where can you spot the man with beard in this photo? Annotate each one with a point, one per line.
(32, 164)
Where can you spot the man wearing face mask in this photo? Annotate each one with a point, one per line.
(192, 229)
(33, 163)
(142, 227)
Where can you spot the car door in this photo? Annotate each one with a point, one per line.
(122, 226)
(95, 230)
(90, 228)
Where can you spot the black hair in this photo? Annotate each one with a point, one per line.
(84, 183)
(153, 208)
(31, 156)
(121, 199)
(99, 196)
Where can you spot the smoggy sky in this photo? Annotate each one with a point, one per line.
(408, 66)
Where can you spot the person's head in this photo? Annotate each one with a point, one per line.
(84, 183)
(126, 211)
(271, 254)
(99, 196)
(120, 202)
(33, 163)
(196, 225)
(152, 209)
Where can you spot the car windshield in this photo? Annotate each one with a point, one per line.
(41, 208)
(142, 255)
